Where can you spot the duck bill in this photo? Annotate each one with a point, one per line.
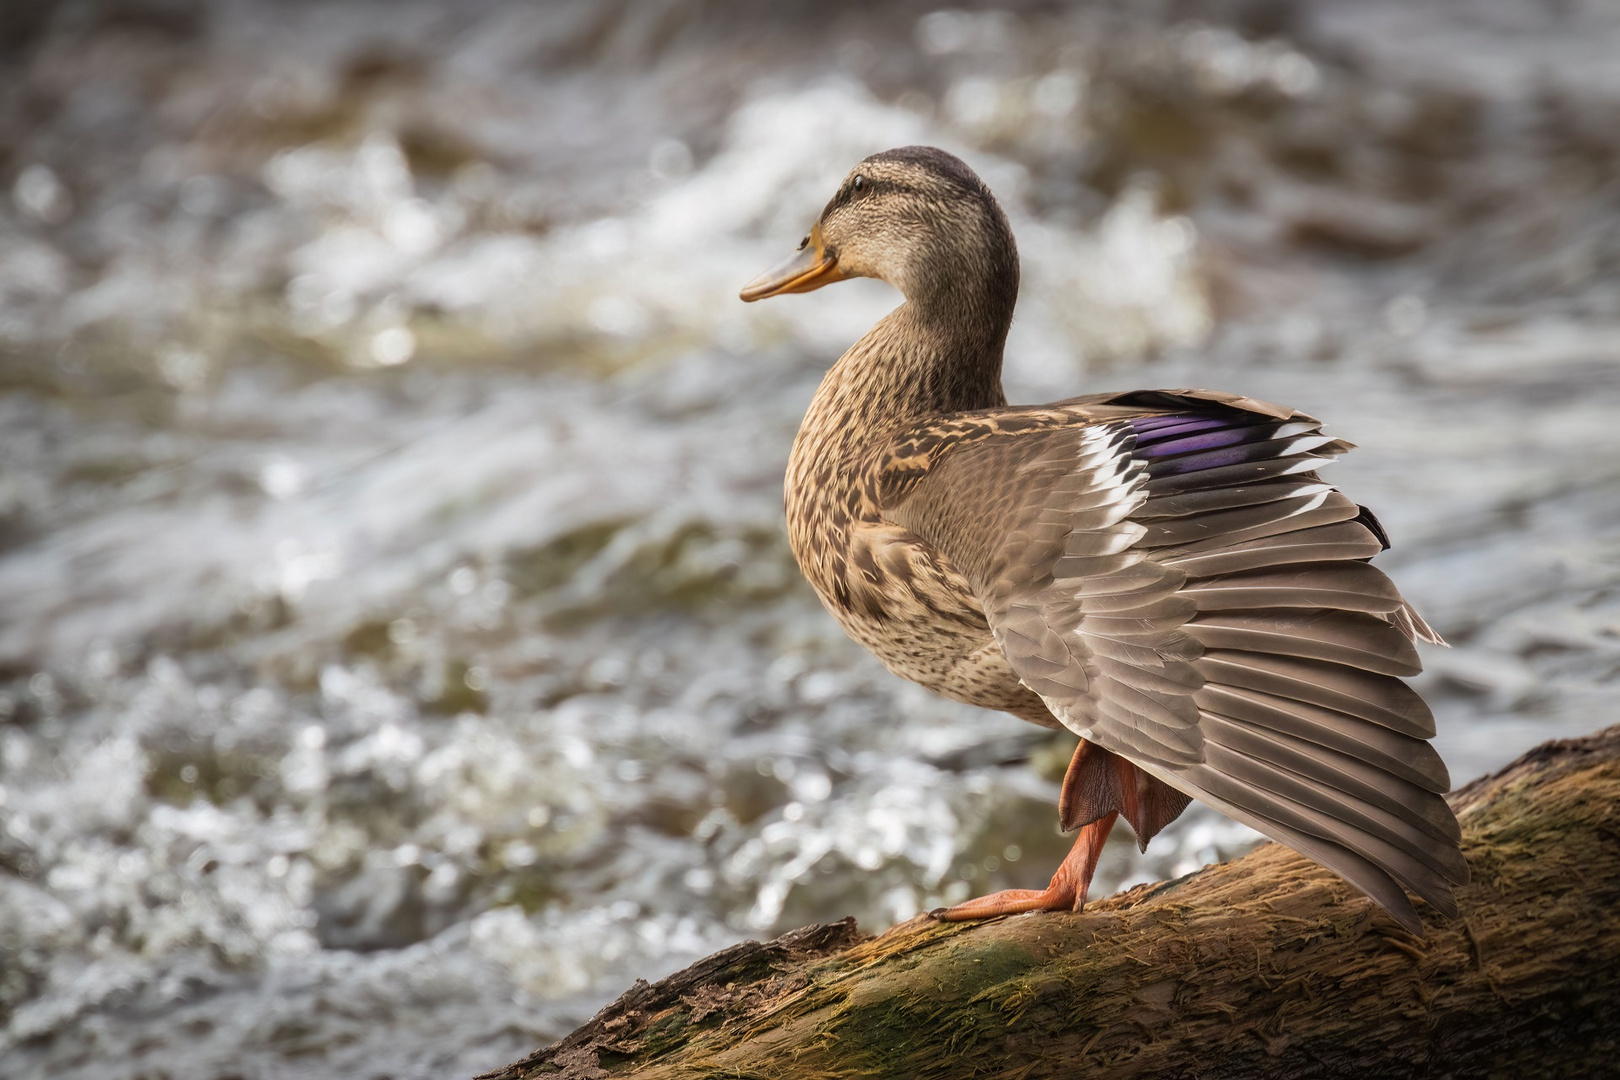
(809, 268)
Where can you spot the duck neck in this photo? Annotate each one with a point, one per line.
(953, 338)
(939, 352)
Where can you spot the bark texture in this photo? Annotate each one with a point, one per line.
(1267, 966)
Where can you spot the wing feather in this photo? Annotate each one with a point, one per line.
(1345, 772)
(1410, 758)
(1351, 638)
(1347, 690)
(1339, 541)
(1345, 586)
(1266, 797)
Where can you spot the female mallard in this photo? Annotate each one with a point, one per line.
(1159, 571)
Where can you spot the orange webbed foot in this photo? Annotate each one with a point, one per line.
(1013, 902)
(1067, 892)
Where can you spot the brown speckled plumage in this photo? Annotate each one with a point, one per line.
(1162, 572)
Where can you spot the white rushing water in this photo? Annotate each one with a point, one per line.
(399, 649)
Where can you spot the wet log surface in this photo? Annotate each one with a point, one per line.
(1264, 966)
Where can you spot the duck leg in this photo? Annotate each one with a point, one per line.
(1097, 788)
(1067, 892)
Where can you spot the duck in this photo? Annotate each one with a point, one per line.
(1161, 572)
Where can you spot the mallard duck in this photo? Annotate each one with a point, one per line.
(1162, 572)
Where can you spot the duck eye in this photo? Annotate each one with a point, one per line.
(858, 183)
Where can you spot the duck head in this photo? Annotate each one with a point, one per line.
(917, 218)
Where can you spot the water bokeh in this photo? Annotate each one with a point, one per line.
(399, 648)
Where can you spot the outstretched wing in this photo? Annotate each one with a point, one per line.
(1169, 573)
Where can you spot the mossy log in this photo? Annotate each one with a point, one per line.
(1267, 966)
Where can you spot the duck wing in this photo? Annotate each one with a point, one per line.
(1169, 573)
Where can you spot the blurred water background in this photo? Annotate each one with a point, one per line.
(399, 648)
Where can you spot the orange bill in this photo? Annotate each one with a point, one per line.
(809, 268)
